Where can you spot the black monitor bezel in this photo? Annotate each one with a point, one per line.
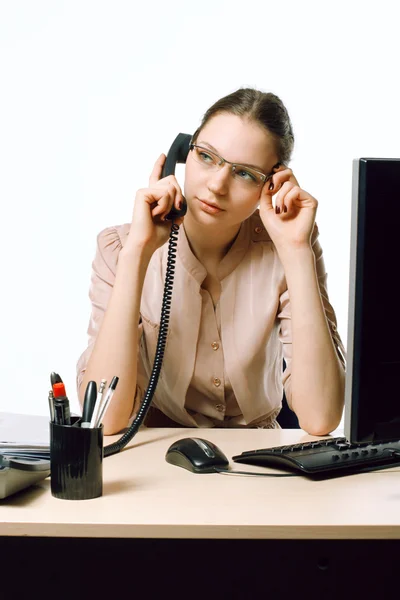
(354, 428)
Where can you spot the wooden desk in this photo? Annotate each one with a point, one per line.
(161, 520)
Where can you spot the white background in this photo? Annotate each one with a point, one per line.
(91, 92)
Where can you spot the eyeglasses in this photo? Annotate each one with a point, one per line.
(247, 175)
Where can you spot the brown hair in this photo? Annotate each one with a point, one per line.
(264, 108)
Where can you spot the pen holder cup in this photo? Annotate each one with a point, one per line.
(76, 461)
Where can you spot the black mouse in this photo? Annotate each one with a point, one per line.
(196, 455)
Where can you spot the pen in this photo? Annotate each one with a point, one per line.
(89, 403)
(99, 401)
(51, 405)
(107, 400)
(62, 415)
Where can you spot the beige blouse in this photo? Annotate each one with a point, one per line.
(222, 366)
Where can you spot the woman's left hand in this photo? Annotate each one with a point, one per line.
(290, 223)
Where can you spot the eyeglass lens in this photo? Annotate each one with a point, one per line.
(240, 172)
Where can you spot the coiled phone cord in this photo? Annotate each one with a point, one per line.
(162, 338)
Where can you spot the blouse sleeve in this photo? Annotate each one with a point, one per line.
(284, 314)
(102, 280)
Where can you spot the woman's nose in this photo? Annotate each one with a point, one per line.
(218, 181)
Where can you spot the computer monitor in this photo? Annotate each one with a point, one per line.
(372, 396)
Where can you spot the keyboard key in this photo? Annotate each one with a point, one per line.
(342, 446)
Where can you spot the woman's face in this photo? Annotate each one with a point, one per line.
(238, 141)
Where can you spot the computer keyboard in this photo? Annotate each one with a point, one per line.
(325, 458)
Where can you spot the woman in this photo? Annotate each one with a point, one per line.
(249, 287)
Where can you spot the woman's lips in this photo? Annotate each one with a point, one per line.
(209, 208)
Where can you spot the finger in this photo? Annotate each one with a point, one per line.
(266, 195)
(287, 206)
(296, 199)
(271, 186)
(157, 170)
(156, 198)
(171, 180)
(279, 178)
(280, 200)
(153, 195)
(169, 199)
(164, 204)
(302, 199)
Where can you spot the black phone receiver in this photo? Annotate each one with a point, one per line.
(178, 153)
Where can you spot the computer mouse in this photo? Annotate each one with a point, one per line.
(196, 455)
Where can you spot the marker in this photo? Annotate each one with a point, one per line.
(55, 378)
(89, 403)
(62, 415)
(107, 400)
(98, 404)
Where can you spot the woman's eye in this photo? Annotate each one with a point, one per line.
(246, 174)
(205, 157)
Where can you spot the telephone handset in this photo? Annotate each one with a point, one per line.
(177, 154)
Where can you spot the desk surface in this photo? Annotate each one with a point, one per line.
(145, 497)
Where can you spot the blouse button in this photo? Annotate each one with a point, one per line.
(216, 382)
(220, 407)
(258, 229)
(215, 345)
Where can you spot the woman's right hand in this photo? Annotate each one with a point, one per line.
(149, 230)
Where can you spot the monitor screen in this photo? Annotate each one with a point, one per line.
(372, 397)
